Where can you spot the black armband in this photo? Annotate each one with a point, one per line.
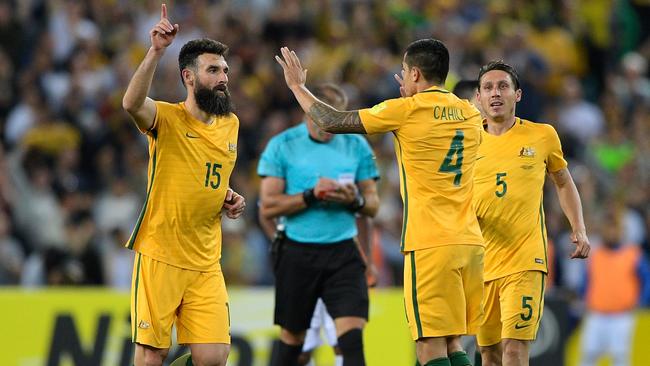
(309, 197)
(358, 203)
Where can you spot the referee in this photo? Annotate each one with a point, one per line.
(318, 257)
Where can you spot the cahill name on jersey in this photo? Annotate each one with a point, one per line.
(509, 181)
(190, 163)
(436, 140)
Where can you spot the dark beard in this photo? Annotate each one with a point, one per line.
(212, 101)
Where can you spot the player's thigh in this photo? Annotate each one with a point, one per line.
(489, 333)
(157, 291)
(472, 276)
(522, 304)
(204, 316)
(434, 292)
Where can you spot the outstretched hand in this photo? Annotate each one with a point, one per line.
(163, 33)
(294, 74)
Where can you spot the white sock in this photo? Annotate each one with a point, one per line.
(339, 360)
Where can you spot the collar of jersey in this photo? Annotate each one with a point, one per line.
(435, 89)
(199, 124)
(518, 121)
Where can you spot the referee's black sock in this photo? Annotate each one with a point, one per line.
(286, 355)
(351, 345)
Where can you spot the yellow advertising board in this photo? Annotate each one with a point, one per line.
(84, 327)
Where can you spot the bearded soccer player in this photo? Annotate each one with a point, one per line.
(436, 141)
(514, 158)
(177, 277)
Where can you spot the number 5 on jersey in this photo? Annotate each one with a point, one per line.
(212, 176)
(456, 149)
(503, 184)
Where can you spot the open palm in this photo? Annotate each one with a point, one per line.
(294, 74)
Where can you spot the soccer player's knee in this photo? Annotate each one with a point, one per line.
(217, 357)
(351, 341)
(490, 356)
(155, 357)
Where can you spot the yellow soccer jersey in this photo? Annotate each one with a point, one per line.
(509, 181)
(436, 139)
(190, 164)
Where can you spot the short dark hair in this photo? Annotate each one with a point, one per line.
(331, 94)
(500, 65)
(466, 89)
(195, 48)
(431, 57)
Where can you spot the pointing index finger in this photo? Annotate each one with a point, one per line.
(163, 11)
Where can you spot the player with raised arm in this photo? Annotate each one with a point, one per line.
(177, 277)
(436, 138)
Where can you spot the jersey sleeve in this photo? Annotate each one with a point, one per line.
(386, 116)
(368, 163)
(163, 113)
(272, 162)
(555, 159)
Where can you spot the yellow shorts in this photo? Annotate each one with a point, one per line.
(513, 307)
(162, 294)
(443, 288)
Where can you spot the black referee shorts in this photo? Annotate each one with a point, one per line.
(334, 272)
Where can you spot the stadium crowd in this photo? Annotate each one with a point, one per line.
(73, 166)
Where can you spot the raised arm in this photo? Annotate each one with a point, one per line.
(142, 108)
(326, 117)
(572, 206)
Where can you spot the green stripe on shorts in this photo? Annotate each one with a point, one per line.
(414, 293)
(135, 299)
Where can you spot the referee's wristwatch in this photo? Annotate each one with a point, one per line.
(358, 203)
(309, 197)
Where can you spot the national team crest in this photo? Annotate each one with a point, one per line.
(527, 152)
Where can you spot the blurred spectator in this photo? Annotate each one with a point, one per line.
(617, 283)
(50, 267)
(23, 115)
(83, 247)
(577, 118)
(116, 208)
(632, 86)
(11, 253)
(38, 212)
(117, 262)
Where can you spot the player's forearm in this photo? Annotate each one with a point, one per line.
(571, 205)
(328, 118)
(140, 83)
(282, 205)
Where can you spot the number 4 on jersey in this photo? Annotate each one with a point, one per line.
(455, 150)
